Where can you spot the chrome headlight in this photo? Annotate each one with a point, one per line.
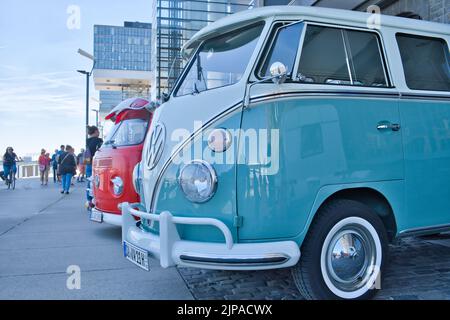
(198, 180)
(117, 185)
(137, 178)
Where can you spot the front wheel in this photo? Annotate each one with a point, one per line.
(343, 254)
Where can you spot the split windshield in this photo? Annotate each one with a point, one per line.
(126, 133)
(220, 61)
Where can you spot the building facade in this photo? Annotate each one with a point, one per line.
(176, 21)
(431, 10)
(122, 63)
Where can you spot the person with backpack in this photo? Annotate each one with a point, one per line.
(44, 166)
(67, 168)
(58, 154)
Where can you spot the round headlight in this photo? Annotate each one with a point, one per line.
(198, 180)
(117, 185)
(137, 178)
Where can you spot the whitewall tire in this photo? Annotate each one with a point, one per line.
(343, 254)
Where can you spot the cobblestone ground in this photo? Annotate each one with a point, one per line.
(419, 269)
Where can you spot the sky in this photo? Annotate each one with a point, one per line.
(42, 97)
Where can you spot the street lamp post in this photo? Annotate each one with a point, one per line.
(88, 74)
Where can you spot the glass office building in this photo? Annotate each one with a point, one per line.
(123, 48)
(122, 58)
(176, 21)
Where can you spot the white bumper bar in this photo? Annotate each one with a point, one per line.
(109, 218)
(171, 250)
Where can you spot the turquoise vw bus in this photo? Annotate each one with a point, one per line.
(298, 137)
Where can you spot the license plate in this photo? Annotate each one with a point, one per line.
(96, 216)
(136, 255)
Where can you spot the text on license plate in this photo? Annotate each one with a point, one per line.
(136, 255)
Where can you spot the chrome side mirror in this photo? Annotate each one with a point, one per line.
(279, 72)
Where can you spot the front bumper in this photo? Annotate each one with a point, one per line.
(171, 250)
(110, 218)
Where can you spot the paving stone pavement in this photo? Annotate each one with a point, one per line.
(419, 269)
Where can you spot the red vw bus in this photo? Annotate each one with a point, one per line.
(114, 162)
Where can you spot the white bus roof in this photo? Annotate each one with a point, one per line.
(338, 16)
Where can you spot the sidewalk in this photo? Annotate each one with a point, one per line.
(42, 233)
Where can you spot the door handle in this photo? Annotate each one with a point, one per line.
(388, 126)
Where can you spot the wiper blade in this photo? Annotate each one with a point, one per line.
(109, 142)
(195, 91)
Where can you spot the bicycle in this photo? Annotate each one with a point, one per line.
(11, 179)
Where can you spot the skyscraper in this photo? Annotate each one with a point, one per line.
(122, 62)
(176, 21)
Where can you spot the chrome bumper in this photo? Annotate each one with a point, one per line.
(110, 218)
(171, 250)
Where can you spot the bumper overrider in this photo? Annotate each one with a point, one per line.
(171, 250)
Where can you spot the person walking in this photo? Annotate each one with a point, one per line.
(58, 155)
(55, 166)
(81, 166)
(67, 168)
(93, 143)
(44, 166)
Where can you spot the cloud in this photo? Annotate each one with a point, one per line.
(55, 93)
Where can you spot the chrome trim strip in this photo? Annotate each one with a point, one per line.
(424, 96)
(424, 230)
(272, 259)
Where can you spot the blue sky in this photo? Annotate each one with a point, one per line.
(42, 97)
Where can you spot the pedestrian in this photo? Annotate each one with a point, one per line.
(55, 165)
(67, 168)
(93, 143)
(44, 166)
(60, 151)
(81, 166)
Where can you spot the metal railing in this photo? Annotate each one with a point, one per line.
(25, 169)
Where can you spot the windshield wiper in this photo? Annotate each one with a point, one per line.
(195, 91)
(201, 75)
(110, 142)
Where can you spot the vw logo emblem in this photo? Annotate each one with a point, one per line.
(156, 145)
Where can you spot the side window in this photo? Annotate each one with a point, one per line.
(341, 57)
(367, 65)
(323, 58)
(425, 62)
(284, 48)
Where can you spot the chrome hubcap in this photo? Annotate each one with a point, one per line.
(350, 257)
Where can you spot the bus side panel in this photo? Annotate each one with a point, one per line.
(322, 141)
